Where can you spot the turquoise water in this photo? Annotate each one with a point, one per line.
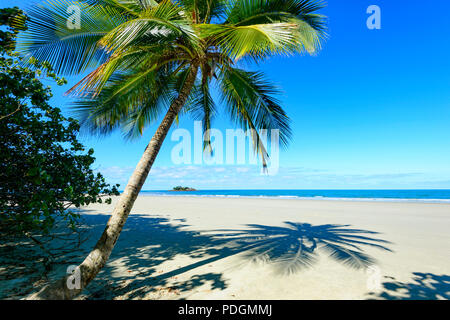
(380, 195)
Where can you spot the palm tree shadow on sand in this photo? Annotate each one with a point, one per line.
(295, 246)
(287, 248)
(137, 266)
(424, 286)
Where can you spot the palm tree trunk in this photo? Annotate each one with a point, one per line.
(97, 258)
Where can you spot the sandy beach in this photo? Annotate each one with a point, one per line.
(243, 248)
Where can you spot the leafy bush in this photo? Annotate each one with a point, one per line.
(44, 169)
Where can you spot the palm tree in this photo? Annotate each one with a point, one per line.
(151, 57)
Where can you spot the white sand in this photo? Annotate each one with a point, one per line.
(169, 250)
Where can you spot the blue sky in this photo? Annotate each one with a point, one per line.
(370, 111)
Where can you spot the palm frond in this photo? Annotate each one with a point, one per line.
(250, 99)
(166, 21)
(307, 29)
(162, 91)
(131, 100)
(247, 12)
(166, 84)
(203, 11)
(127, 7)
(255, 40)
(203, 108)
(131, 110)
(93, 83)
(146, 58)
(69, 50)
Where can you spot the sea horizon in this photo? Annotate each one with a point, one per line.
(410, 195)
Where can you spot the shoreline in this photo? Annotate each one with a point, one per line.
(318, 198)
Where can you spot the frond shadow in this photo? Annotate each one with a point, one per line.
(296, 245)
(424, 286)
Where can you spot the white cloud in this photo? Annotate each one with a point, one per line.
(250, 177)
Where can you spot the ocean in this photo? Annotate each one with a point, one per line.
(439, 196)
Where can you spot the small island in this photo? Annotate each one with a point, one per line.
(179, 188)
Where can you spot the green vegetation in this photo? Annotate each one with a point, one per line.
(43, 168)
(180, 188)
